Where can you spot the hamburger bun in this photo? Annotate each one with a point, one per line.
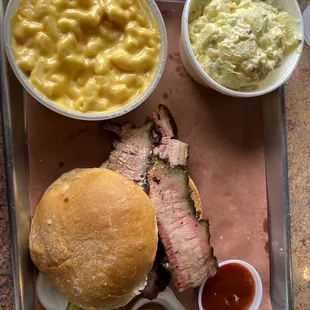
(94, 236)
(195, 196)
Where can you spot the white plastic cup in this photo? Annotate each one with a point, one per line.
(275, 79)
(306, 19)
(257, 280)
(154, 15)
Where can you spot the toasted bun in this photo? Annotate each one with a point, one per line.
(195, 196)
(94, 236)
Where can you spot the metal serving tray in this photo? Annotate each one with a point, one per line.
(16, 157)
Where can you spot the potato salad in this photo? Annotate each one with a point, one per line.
(239, 42)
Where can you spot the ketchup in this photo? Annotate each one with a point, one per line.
(232, 288)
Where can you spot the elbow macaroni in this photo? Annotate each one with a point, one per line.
(86, 55)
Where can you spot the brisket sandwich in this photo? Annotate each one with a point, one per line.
(104, 236)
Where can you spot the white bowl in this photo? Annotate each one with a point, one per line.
(306, 19)
(154, 14)
(257, 280)
(274, 80)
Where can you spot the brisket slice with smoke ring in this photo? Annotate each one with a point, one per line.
(186, 238)
(169, 149)
(165, 123)
(131, 154)
(173, 151)
(184, 235)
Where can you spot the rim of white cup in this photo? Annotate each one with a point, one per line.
(257, 280)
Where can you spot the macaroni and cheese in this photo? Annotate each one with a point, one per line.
(86, 55)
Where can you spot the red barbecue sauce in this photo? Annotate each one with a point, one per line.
(232, 288)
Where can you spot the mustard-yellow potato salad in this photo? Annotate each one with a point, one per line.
(86, 55)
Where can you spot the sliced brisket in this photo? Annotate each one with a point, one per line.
(165, 123)
(173, 151)
(131, 154)
(131, 157)
(184, 235)
(185, 238)
(157, 281)
(159, 277)
(169, 149)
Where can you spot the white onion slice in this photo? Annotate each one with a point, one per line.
(104, 165)
(166, 299)
(49, 297)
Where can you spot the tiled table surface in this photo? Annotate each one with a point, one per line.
(298, 131)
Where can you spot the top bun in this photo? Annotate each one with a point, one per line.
(94, 236)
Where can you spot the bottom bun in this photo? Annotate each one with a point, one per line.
(195, 196)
